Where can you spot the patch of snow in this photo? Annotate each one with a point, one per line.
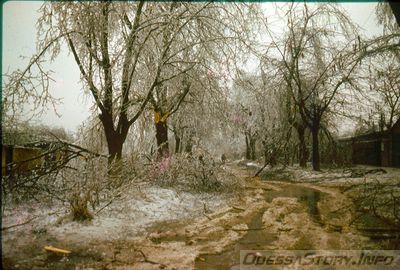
(126, 218)
(253, 164)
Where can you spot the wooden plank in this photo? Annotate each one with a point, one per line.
(57, 250)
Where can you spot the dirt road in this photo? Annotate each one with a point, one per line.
(264, 215)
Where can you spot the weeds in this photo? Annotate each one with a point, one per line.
(199, 173)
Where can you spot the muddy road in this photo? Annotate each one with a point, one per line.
(265, 215)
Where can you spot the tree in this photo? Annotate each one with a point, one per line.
(317, 64)
(207, 33)
(384, 82)
(22, 133)
(289, 111)
(129, 54)
(261, 94)
(388, 13)
(246, 113)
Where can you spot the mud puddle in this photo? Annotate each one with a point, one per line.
(257, 238)
(308, 196)
(378, 230)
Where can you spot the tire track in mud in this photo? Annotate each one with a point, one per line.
(260, 236)
(291, 220)
(265, 215)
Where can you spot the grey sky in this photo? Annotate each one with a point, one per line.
(19, 36)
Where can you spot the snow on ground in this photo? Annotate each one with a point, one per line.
(352, 176)
(358, 174)
(126, 218)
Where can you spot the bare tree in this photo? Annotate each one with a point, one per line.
(384, 81)
(388, 13)
(130, 54)
(126, 52)
(246, 113)
(318, 58)
(208, 33)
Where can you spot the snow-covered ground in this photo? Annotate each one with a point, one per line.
(175, 228)
(127, 217)
(359, 174)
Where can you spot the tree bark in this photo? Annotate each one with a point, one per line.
(178, 147)
(315, 147)
(162, 137)
(115, 148)
(247, 147)
(252, 148)
(115, 138)
(303, 153)
(177, 144)
(266, 155)
(189, 142)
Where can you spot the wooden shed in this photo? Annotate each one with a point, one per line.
(378, 148)
(19, 159)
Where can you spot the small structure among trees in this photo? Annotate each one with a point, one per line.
(378, 148)
(25, 159)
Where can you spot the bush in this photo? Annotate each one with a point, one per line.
(81, 183)
(192, 173)
(79, 207)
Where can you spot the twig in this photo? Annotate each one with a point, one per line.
(238, 208)
(248, 229)
(149, 261)
(260, 170)
(207, 216)
(19, 224)
(110, 202)
(346, 207)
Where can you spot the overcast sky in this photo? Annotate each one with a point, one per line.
(19, 36)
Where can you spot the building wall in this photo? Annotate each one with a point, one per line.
(367, 152)
(25, 159)
(386, 152)
(396, 146)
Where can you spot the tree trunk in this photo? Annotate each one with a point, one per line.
(115, 148)
(162, 138)
(178, 140)
(189, 141)
(114, 140)
(266, 155)
(252, 148)
(315, 147)
(247, 146)
(303, 153)
(270, 154)
(177, 144)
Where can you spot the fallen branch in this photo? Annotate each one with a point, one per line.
(98, 211)
(110, 202)
(150, 261)
(17, 225)
(248, 229)
(346, 207)
(260, 170)
(238, 208)
(208, 217)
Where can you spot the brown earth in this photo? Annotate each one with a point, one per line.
(265, 215)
